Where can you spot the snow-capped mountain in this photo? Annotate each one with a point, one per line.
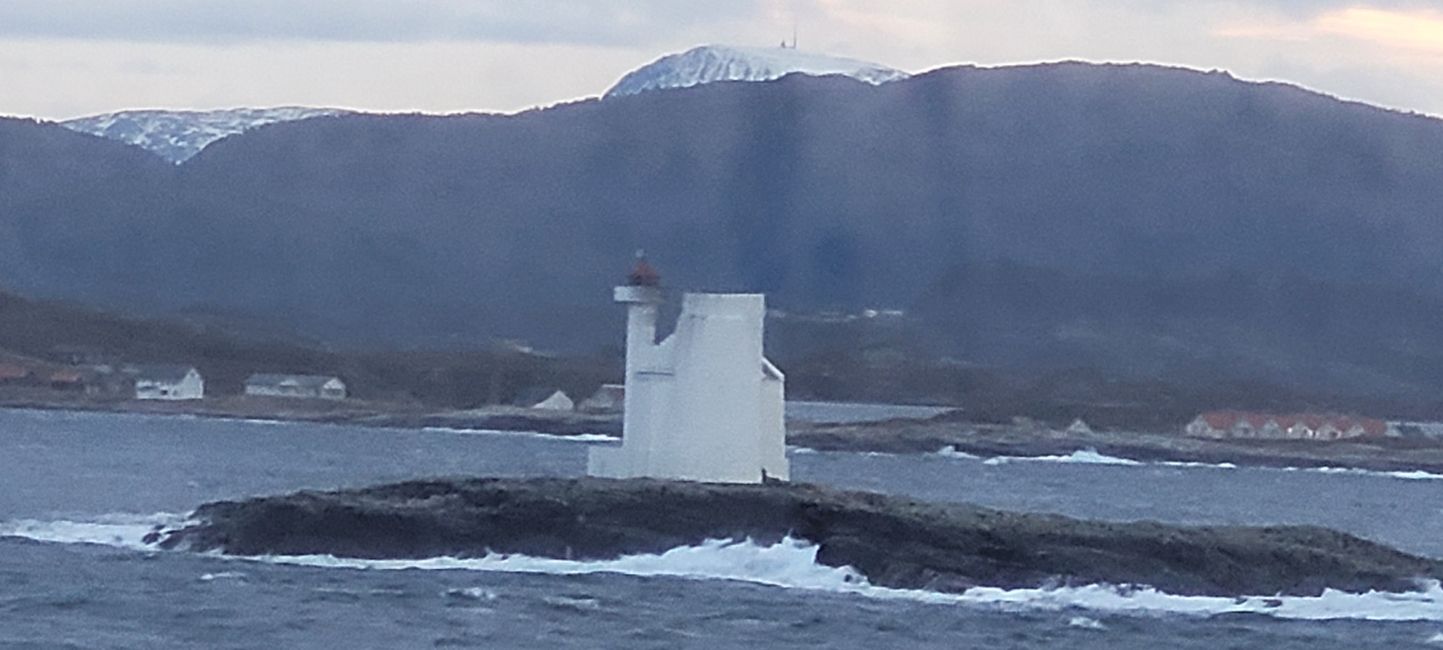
(178, 135)
(710, 63)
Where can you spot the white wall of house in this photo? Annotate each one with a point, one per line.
(333, 388)
(558, 401)
(607, 399)
(1199, 428)
(192, 386)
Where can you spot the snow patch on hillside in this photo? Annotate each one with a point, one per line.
(710, 63)
(179, 135)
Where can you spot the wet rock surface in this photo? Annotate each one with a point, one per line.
(893, 541)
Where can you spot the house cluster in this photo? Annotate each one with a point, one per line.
(176, 382)
(1263, 426)
(162, 382)
(86, 371)
(15, 374)
(607, 399)
(296, 386)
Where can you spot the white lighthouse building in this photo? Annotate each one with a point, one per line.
(704, 404)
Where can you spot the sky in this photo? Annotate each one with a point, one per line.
(67, 58)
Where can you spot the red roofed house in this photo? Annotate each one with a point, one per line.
(12, 373)
(67, 380)
(1213, 424)
(1237, 424)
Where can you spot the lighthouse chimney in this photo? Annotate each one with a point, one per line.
(642, 295)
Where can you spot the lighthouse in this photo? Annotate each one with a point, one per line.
(704, 404)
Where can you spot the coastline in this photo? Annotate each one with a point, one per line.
(896, 436)
(991, 441)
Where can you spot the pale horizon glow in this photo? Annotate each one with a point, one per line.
(61, 59)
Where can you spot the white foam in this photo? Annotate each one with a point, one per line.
(1085, 623)
(124, 530)
(1436, 639)
(1178, 463)
(1423, 605)
(1084, 457)
(950, 451)
(1092, 457)
(1415, 475)
(791, 563)
(580, 437)
(471, 593)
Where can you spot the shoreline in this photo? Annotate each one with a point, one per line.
(894, 542)
(993, 441)
(897, 436)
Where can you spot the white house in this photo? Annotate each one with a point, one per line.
(165, 382)
(610, 398)
(702, 405)
(546, 399)
(296, 386)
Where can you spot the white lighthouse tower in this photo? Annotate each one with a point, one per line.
(703, 405)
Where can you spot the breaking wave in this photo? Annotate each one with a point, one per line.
(788, 563)
(951, 451)
(1414, 475)
(578, 437)
(1093, 457)
(1082, 456)
(791, 563)
(123, 530)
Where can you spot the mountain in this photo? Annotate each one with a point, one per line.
(1133, 220)
(710, 63)
(178, 135)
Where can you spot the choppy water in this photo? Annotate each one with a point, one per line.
(67, 478)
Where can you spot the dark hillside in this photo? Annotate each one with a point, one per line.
(1156, 222)
(50, 335)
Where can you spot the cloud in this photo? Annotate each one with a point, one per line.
(1418, 31)
(1409, 31)
(594, 22)
(68, 57)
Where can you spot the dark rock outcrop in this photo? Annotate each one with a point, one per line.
(894, 542)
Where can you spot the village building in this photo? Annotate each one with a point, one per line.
(610, 398)
(702, 405)
(545, 399)
(11, 373)
(296, 386)
(167, 382)
(68, 380)
(1260, 426)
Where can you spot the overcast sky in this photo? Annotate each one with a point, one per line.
(65, 58)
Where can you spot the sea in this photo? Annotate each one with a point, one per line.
(79, 490)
